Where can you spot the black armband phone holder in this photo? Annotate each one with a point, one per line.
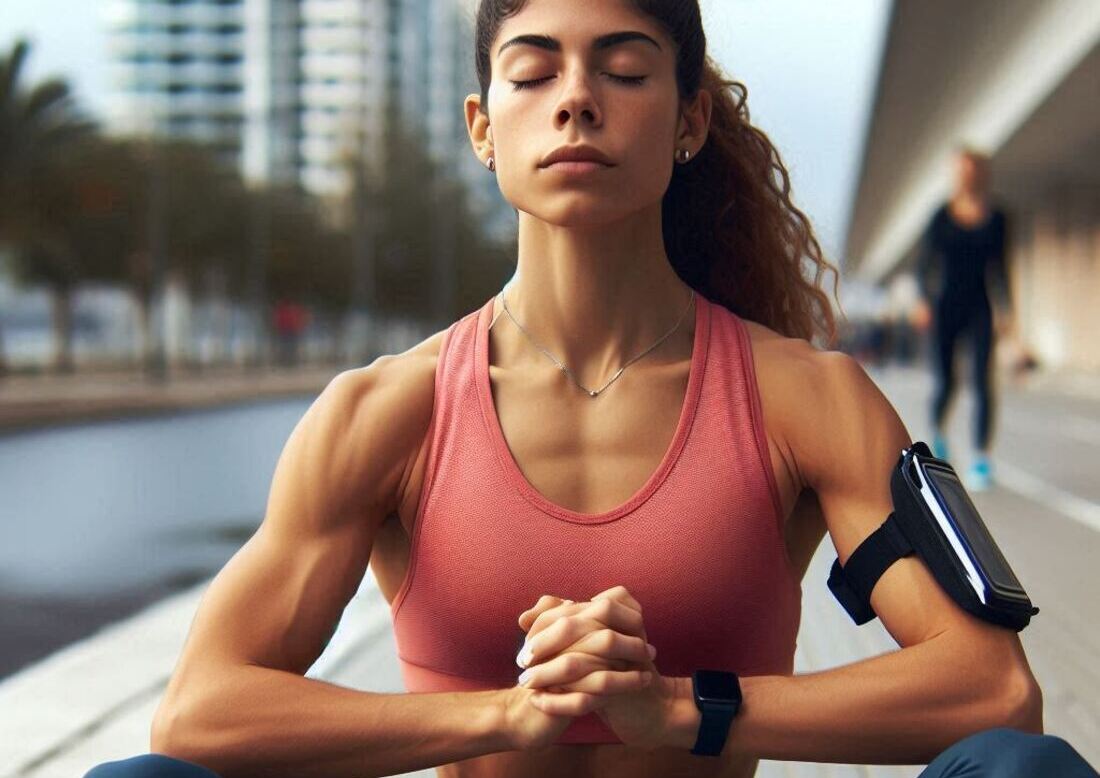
(934, 518)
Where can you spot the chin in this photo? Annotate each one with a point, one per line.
(579, 210)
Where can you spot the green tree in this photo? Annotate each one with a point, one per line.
(37, 124)
(407, 205)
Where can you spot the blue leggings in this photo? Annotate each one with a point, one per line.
(993, 753)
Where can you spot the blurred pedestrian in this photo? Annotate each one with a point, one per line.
(290, 320)
(962, 251)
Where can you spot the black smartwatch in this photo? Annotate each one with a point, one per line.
(717, 695)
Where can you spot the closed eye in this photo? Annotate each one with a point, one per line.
(632, 80)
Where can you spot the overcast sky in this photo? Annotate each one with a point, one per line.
(809, 67)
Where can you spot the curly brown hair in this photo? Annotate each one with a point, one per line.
(730, 228)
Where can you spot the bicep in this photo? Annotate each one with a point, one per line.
(848, 455)
(277, 601)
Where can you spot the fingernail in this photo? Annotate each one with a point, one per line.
(523, 658)
(652, 649)
(524, 677)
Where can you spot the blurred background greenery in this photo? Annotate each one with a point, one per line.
(79, 206)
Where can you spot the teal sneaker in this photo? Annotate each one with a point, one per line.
(980, 475)
(939, 446)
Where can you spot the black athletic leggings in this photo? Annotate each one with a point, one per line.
(975, 321)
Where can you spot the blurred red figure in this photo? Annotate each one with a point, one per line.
(290, 319)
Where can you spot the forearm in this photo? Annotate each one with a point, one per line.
(264, 722)
(903, 707)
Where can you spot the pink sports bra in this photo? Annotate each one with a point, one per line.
(700, 544)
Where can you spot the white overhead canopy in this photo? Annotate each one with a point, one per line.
(1016, 78)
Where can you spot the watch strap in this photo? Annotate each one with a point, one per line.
(714, 723)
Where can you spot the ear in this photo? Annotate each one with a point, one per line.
(477, 125)
(694, 122)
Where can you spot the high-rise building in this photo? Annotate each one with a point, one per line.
(289, 90)
(272, 121)
(178, 69)
(343, 67)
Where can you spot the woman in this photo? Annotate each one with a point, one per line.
(586, 461)
(963, 248)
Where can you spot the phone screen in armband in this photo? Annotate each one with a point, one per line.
(991, 563)
(951, 531)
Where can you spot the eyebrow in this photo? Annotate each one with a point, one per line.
(602, 42)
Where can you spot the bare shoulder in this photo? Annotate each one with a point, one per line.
(824, 410)
(409, 374)
(335, 481)
(396, 392)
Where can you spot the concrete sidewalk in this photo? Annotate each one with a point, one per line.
(28, 402)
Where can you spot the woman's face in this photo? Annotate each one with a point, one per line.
(620, 97)
(972, 173)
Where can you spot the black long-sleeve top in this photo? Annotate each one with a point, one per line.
(955, 263)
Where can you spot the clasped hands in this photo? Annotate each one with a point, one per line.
(594, 656)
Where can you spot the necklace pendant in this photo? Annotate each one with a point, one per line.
(561, 365)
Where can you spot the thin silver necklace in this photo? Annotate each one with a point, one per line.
(564, 369)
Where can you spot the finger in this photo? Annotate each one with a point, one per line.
(545, 603)
(618, 615)
(569, 704)
(538, 621)
(607, 682)
(621, 594)
(616, 626)
(560, 670)
(572, 666)
(603, 613)
(599, 681)
(606, 644)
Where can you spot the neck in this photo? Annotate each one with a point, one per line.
(595, 298)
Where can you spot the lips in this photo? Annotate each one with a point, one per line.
(576, 154)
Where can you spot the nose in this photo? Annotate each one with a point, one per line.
(577, 100)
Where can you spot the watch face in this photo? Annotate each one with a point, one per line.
(716, 686)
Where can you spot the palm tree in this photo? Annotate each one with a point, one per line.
(36, 123)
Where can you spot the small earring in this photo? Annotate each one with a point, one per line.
(492, 164)
(683, 155)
